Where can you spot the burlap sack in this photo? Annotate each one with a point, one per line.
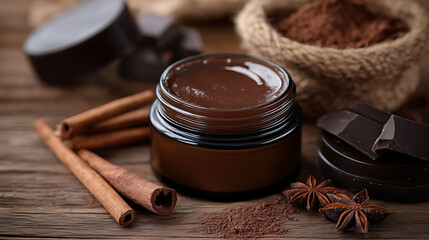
(328, 79)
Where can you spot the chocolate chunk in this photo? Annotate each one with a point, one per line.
(160, 31)
(404, 136)
(358, 131)
(398, 144)
(370, 112)
(191, 44)
(145, 63)
(375, 132)
(394, 177)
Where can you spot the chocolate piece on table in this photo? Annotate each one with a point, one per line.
(404, 136)
(191, 44)
(370, 112)
(359, 132)
(163, 32)
(145, 63)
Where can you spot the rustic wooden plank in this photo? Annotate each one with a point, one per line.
(39, 191)
(14, 23)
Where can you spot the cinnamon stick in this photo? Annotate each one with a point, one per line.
(134, 118)
(71, 126)
(130, 119)
(122, 213)
(155, 198)
(109, 139)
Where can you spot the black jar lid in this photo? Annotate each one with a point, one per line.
(393, 177)
(81, 40)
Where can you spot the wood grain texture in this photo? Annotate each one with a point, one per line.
(40, 198)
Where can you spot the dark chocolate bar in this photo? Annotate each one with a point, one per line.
(358, 131)
(374, 132)
(163, 32)
(191, 44)
(404, 136)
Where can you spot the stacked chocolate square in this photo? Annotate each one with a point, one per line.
(365, 147)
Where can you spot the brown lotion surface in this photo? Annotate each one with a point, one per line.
(225, 83)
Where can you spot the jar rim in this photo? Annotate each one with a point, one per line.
(281, 72)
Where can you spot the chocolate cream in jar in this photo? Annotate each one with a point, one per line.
(225, 126)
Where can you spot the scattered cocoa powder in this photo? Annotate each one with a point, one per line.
(338, 24)
(250, 222)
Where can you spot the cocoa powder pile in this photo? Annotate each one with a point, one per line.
(250, 222)
(338, 24)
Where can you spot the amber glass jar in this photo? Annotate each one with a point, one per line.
(220, 152)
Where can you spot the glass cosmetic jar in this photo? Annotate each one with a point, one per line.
(225, 125)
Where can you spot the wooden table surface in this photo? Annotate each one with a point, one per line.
(40, 198)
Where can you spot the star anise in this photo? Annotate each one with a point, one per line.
(310, 194)
(348, 212)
